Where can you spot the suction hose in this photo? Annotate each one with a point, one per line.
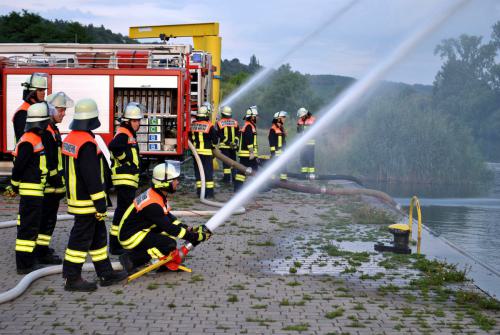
(337, 191)
(326, 177)
(240, 210)
(314, 190)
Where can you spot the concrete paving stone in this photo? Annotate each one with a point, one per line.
(142, 308)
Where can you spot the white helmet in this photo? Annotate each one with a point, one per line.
(280, 114)
(202, 111)
(227, 111)
(38, 80)
(252, 111)
(86, 115)
(302, 112)
(164, 173)
(60, 99)
(37, 116)
(133, 111)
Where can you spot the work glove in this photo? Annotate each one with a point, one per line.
(10, 192)
(101, 216)
(198, 234)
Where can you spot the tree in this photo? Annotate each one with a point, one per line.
(467, 87)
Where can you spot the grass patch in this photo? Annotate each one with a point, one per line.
(436, 273)
(299, 328)
(334, 314)
(232, 298)
(369, 215)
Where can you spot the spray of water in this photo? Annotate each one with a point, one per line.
(264, 72)
(333, 110)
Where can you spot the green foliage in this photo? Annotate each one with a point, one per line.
(404, 139)
(367, 214)
(27, 27)
(284, 89)
(468, 87)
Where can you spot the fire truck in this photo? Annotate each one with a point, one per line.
(169, 80)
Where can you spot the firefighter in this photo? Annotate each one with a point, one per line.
(204, 137)
(126, 167)
(55, 187)
(34, 92)
(28, 180)
(248, 147)
(228, 132)
(84, 175)
(305, 120)
(148, 230)
(277, 137)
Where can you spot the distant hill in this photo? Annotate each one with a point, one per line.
(331, 85)
(27, 27)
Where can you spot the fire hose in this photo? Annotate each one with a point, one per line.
(240, 210)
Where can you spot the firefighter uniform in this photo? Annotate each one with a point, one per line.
(277, 141)
(19, 119)
(307, 154)
(148, 231)
(53, 193)
(28, 178)
(248, 148)
(204, 137)
(30, 96)
(228, 133)
(125, 176)
(84, 174)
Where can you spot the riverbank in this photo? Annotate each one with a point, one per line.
(292, 263)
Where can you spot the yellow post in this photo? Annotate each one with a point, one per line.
(205, 37)
(414, 202)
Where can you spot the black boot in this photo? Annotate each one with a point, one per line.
(115, 248)
(79, 285)
(113, 277)
(127, 263)
(49, 258)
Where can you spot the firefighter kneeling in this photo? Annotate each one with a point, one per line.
(148, 231)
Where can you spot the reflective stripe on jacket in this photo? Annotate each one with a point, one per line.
(248, 140)
(84, 174)
(203, 136)
(29, 173)
(227, 130)
(126, 163)
(149, 212)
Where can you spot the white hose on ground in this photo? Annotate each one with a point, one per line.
(27, 280)
(62, 217)
(239, 210)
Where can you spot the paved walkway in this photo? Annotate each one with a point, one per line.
(265, 272)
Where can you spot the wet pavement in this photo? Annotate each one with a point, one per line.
(293, 263)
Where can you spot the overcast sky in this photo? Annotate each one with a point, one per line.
(348, 46)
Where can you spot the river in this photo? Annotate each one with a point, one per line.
(468, 217)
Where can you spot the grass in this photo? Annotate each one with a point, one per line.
(334, 314)
(286, 302)
(232, 298)
(261, 322)
(366, 214)
(437, 273)
(299, 328)
(258, 306)
(152, 286)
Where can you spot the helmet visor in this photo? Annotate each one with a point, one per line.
(173, 170)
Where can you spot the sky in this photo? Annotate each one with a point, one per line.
(349, 46)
